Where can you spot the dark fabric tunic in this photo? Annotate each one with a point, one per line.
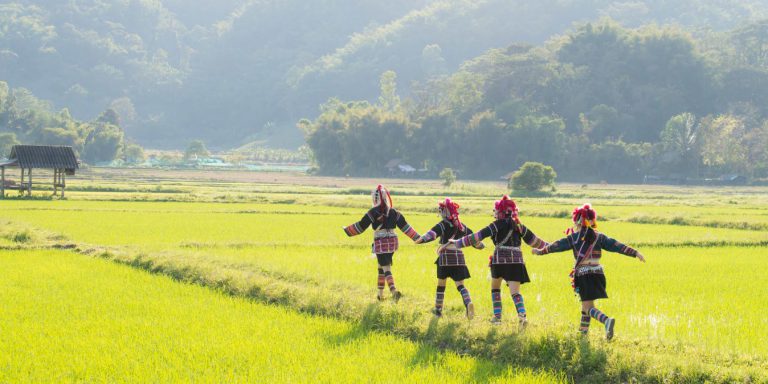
(446, 231)
(587, 246)
(384, 238)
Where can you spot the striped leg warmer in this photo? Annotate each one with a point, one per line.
(584, 326)
(439, 297)
(599, 316)
(464, 295)
(380, 282)
(519, 305)
(390, 281)
(496, 297)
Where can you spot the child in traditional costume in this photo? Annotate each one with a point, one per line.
(384, 219)
(507, 260)
(450, 260)
(587, 277)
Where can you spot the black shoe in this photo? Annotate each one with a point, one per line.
(396, 296)
(470, 311)
(379, 297)
(437, 312)
(609, 324)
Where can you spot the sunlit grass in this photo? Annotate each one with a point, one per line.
(696, 308)
(69, 318)
(168, 224)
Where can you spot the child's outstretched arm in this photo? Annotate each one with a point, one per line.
(531, 239)
(561, 245)
(406, 228)
(434, 233)
(477, 245)
(475, 238)
(359, 227)
(613, 245)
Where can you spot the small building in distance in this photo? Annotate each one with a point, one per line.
(59, 159)
(397, 167)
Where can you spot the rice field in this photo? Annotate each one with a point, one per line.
(695, 312)
(69, 318)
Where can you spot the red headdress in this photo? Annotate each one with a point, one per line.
(506, 209)
(382, 199)
(450, 211)
(585, 216)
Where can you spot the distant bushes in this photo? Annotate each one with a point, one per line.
(532, 177)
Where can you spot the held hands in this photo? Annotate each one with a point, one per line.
(640, 257)
(537, 251)
(419, 240)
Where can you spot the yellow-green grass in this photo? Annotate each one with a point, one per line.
(695, 307)
(708, 298)
(173, 224)
(659, 212)
(222, 185)
(69, 318)
(314, 246)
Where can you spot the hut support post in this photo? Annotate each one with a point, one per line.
(2, 183)
(55, 181)
(21, 183)
(63, 183)
(29, 187)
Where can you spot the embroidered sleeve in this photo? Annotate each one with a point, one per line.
(480, 244)
(474, 239)
(436, 232)
(612, 245)
(359, 227)
(406, 228)
(531, 239)
(561, 245)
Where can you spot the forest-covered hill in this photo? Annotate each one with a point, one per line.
(233, 71)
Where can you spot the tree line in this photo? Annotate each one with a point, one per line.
(29, 120)
(602, 102)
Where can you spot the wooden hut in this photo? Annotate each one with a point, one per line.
(61, 160)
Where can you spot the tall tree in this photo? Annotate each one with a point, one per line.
(388, 98)
(680, 142)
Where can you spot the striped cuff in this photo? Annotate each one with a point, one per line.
(429, 236)
(538, 243)
(353, 230)
(629, 251)
(410, 232)
(468, 240)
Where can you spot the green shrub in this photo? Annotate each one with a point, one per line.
(23, 237)
(532, 177)
(448, 176)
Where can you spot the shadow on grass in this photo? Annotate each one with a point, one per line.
(427, 354)
(573, 356)
(12, 196)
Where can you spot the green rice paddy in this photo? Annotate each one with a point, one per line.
(281, 294)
